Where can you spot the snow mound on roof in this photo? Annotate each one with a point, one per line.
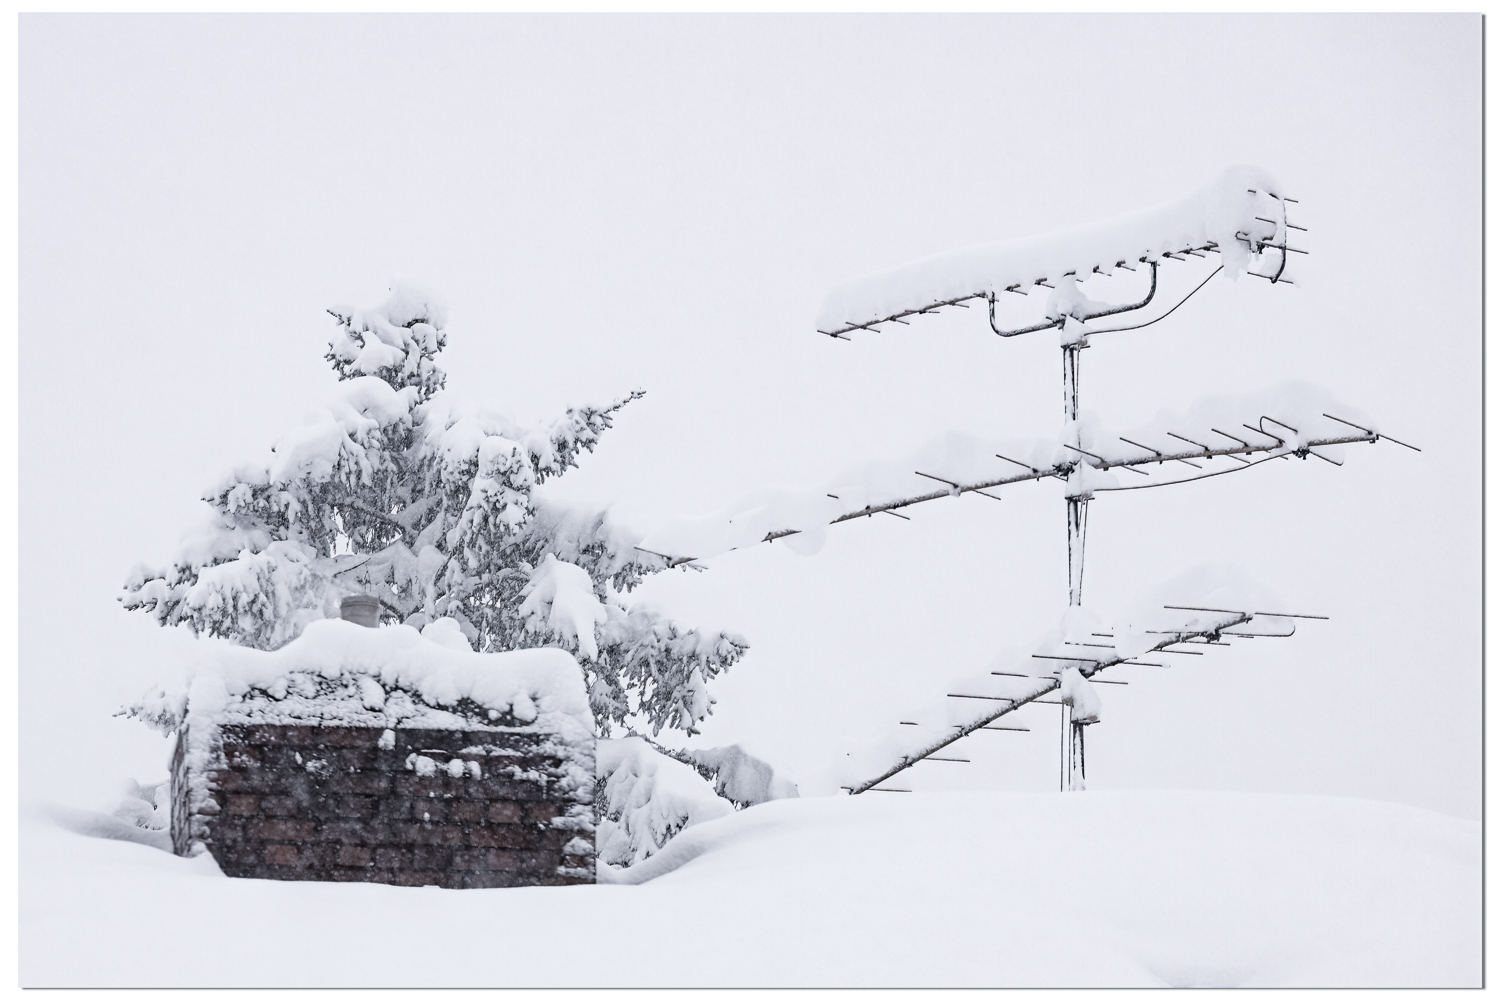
(978, 890)
(1145, 888)
(338, 673)
(1234, 205)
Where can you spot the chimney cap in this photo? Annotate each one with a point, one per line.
(362, 609)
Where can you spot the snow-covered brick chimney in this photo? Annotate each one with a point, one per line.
(358, 754)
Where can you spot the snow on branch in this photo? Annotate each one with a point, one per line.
(396, 488)
(646, 798)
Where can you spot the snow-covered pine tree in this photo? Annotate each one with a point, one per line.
(397, 490)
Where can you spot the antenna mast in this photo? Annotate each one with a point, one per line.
(1241, 221)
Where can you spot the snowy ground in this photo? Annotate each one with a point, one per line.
(1093, 889)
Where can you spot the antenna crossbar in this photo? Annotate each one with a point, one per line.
(841, 332)
(1276, 448)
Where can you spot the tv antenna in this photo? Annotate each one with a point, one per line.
(1245, 224)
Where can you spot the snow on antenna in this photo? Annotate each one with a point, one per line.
(1240, 219)
(1244, 223)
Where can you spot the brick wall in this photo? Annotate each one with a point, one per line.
(354, 804)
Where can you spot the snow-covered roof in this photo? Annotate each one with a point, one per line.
(340, 673)
(1223, 214)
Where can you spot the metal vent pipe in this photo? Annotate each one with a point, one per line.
(361, 609)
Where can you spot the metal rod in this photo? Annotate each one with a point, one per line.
(1176, 482)
(1021, 464)
(1279, 441)
(1147, 447)
(870, 324)
(1188, 440)
(1061, 320)
(941, 480)
(1105, 465)
(1184, 607)
(1376, 433)
(1122, 329)
(1324, 458)
(1287, 224)
(1231, 437)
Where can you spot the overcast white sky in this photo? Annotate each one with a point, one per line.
(661, 202)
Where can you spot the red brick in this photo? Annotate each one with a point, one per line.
(466, 812)
(493, 880)
(552, 838)
(235, 853)
(505, 860)
(354, 856)
(421, 833)
(471, 860)
(360, 806)
(242, 756)
(392, 857)
(281, 854)
(429, 810)
(542, 812)
(360, 760)
(243, 805)
(503, 836)
(353, 831)
(564, 880)
(361, 783)
(505, 812)
(447, 880)
(229, 780)
(410, 784)
(501, 788)
(317, 855)
(265, 736)
(537, 861)
(229, 830)
(278, 805)
(282, 829)
(302, 736)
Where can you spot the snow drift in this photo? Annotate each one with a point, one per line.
(1095, 889)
